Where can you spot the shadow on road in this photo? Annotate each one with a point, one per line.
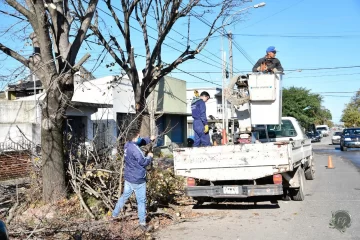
(236, 206)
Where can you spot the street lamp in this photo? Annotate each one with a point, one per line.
(224, 102)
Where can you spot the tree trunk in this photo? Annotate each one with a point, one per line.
(145, 128)
(54, 105)
(53, 170)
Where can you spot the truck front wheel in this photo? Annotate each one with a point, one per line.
(297, 194)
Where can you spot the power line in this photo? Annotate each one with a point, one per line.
(169, 46)
(336, 96)
(223, 32)
(243, 52)
(327, 75)
(296, 36)
(171, 39)
(324, 68)
(273, 14)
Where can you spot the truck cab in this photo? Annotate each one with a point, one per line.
(288, 130)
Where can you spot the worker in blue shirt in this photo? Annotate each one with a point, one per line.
(135, 176)
(200, 124)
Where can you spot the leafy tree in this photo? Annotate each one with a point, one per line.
(351, 113)
(305, 106)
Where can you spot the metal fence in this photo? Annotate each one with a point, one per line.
(15, 146)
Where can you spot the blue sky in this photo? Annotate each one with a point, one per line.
(307, 33)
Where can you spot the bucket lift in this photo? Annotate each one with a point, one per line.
(257, 99)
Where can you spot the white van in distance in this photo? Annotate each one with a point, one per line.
(325, 130)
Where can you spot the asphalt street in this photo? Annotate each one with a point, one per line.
(332, 190)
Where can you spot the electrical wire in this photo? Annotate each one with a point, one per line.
(273, 14)
(297, 36)
(175, 40)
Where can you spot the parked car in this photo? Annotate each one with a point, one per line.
(325, 130)
(336, 138)
(320, 133)
(350, 138)
(315, 137)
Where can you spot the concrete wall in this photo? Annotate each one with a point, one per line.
(19, 136)
(169, 96)
(17, 111)
(123, 97)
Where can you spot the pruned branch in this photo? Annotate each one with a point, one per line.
(29, 15)
(143, 25)
(13, 54)
(86, 22)
(109, 48)
(113, 14)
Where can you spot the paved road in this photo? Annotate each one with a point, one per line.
(325, 147)
(332, 190)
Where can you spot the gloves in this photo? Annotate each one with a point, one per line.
(206, 128)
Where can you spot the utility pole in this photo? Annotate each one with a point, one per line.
(231, 76)
(223, 57)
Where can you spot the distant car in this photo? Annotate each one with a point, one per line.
(320, 133)
(325, 131)
(315, 137)
(336, 138)
(350, 138)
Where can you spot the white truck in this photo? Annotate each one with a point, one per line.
(275, 162)
(324, 129)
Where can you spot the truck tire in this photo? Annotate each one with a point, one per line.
(297, 194)
(310, 171)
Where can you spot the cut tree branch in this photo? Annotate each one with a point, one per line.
(21, 9)
(86, 22)
(15, 55)
(109, 48)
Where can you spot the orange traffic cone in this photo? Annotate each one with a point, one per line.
(330, 164)
(224, 137)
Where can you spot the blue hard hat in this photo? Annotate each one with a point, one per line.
(270, 49)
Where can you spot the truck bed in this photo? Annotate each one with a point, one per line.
(240, 162)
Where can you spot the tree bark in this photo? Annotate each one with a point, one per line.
(145, 128)
(53, 170)
(54, 107)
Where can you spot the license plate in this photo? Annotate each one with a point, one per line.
(231, 190)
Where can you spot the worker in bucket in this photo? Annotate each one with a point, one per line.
(200, 124)
(269, 63)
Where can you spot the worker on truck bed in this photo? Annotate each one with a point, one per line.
(269, 63)
(200, 125)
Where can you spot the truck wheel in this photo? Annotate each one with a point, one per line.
(199, 201)
(286, 195)
(298, 193)
(310, 172)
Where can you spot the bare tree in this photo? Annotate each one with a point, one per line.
(165, 13)
(53, 25)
